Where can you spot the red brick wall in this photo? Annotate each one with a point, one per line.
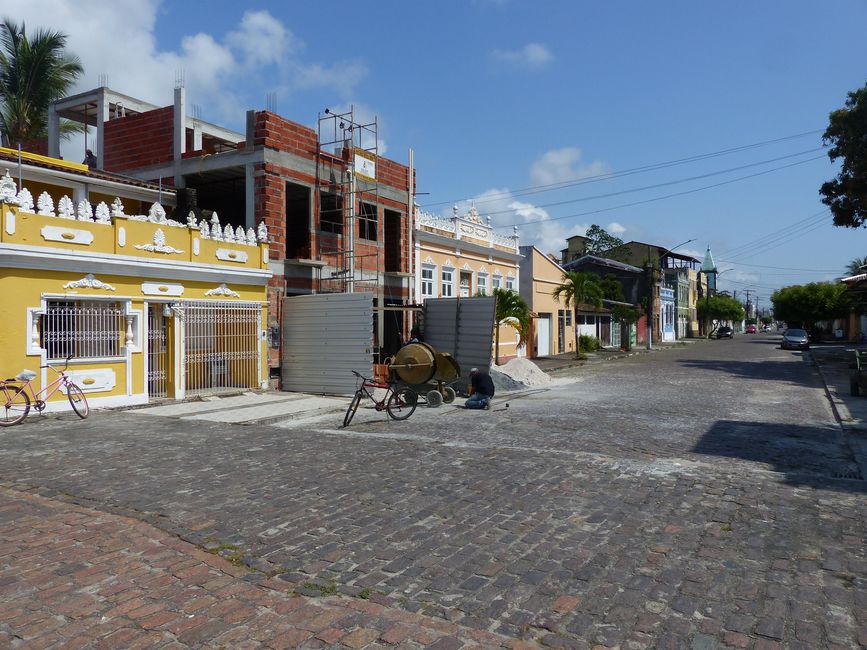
(276, 132)
(139, 140)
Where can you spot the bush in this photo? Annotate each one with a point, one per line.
(587, 343)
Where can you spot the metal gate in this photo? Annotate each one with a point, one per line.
(158, 357)
(325, 337)
(221, 346)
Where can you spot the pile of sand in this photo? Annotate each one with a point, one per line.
(518, 374)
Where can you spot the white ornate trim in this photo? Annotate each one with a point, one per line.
(429, 260)
(159, 244)
(10, 223)
(466, 267)
(95, 380)
(88, 282)
(229, 255)
(223, 290)
(67, 235)
(8, 189)
(162, 289)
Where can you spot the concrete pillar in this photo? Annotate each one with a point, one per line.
(250, 196)
(180, 132)
(102, 116)
(53, 132)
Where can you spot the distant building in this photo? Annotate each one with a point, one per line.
(553, 329)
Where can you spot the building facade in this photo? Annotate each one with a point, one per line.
(462, 257)
(337, 213)
(142, 306)
(553, 327)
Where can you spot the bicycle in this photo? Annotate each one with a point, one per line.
(17, 403)
(399, 403)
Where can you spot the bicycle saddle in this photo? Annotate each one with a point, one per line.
(26, 375)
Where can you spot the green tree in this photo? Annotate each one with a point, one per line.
(846, 195)
(720, 308)
(808, 303)
(854, 267)
(577, 289)
(34, 72)
(612, 288)
(511, 310)
(603, 244)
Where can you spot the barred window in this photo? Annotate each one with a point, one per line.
(83, 328)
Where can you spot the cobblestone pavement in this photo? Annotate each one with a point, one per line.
(73, 577)
(682, 499)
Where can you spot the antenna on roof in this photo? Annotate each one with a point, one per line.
(197, 111)
(270, 100)
(180, 82)
(103, 80)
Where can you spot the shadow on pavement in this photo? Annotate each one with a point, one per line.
(785, 371)
(815, 456)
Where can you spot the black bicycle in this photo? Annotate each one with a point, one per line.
(398, 402)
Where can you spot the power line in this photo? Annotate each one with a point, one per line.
(667, 183)
(773, 236)
(665, 196)
(534, 189)
(781, 268)
(786, 240)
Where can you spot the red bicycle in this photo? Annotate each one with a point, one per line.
(399, 403)
(16, 402)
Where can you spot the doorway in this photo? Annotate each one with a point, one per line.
(158, 351)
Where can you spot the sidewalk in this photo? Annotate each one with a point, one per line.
(832, 362)
(567, 360)
(73, 577)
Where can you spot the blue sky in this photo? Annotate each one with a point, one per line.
(498, 96)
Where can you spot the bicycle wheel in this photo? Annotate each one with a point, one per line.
(15, 406)
(78, 400)
(353, 407)
(401, 404)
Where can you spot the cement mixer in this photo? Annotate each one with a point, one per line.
(426, 372)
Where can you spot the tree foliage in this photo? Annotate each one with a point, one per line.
(846, 195)
(577, 289)
(511, 310)
(612, 288)
(854, 267)
(603, 244)
(34, 71)
(808, 303)
(721, 308)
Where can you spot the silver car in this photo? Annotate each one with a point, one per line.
(794, 339)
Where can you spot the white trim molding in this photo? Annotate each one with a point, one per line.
(67, 235)
(88, 282)
(222, 290)
(162, 289)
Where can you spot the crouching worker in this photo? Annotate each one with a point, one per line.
(481, 390)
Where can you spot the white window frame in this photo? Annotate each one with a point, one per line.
(428, 284)
(482, 283)
(510, 283)
(448, 286)
(497, 281)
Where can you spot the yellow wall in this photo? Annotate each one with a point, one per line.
(24, 289)
(547, 275)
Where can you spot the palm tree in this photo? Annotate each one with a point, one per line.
(33, 73)
(513, 311)
(854, 267)
(579, 288)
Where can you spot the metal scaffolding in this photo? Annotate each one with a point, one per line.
(347, 188)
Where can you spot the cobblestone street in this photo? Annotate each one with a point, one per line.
(697, 497)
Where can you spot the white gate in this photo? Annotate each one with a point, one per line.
(158, 358)
(221, 347)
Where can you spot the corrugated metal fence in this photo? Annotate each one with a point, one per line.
(325, 337)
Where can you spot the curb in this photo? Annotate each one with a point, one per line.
(857, 444)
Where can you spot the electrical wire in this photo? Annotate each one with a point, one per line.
(781, 268)
(534, 189)
(663, 197)
(666, 183)
(776, 234)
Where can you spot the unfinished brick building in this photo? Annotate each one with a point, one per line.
(331, 230)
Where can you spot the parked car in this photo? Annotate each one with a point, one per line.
(751, 329)
(795, 339)
(725, 332)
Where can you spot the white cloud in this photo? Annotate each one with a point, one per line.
(223, 73)
(364, 114)
(541, 231)
(563, 165)
(532, 55)
(615, 229)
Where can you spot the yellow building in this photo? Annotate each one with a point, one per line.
(146, 307)
(553, 330)
(464, 257)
